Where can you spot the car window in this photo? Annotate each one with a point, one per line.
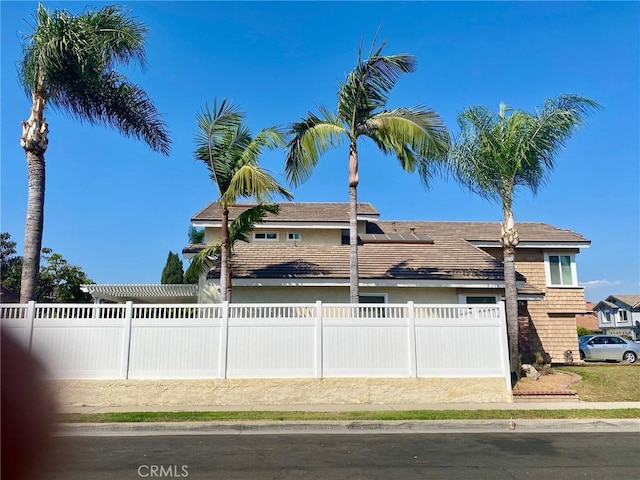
(597, 341)
(616, 340)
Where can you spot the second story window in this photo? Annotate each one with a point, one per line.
(561, 270)
(271, 236)
(294, 236)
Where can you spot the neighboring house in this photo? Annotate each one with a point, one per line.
(302, 255)
(589, 320)
(620, 315)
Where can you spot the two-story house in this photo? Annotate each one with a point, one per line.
(620, 315)
(302, 255)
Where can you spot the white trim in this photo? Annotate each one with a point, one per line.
(280, 225)
(574, 271)
(299, 239)
(530, 244)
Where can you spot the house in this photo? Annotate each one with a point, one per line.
(620, 315)
(302, 255)
(589, 320)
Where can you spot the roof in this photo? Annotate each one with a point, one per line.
(291, 212)
(143, 293)
(632, 301)
(484, 231)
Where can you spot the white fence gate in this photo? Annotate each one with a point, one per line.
(262, 340)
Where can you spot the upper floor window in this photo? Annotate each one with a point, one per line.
(265, 235)
(294, 236)
(561, 270)
(623, 316)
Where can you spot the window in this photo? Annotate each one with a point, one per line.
(294, 236)
(373, 298)
(480, 300)
(265, 236)
(561, 270)
(623, 316)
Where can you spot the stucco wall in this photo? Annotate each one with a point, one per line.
(337, 391)
(209, 293)
(309, 236)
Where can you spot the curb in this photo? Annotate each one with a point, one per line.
(347, 427)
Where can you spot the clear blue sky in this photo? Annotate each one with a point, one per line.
(116, 209)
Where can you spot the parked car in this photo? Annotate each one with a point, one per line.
(609, 347)
(584, 338)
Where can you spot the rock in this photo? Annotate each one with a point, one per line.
(530, 371)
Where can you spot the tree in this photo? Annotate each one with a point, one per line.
(415, 136)
(10, 263)
(239, 230)
(496, 154)
(195, 235)
(57, 280)
(68, 61)
(172, 273)
(231, 153)
(60, 282)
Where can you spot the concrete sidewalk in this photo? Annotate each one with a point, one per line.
(520, 405)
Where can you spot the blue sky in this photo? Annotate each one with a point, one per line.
(116, 209)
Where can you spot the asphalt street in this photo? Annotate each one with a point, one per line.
(399, 456)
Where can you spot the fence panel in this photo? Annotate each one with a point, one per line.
(369, 340)
(271, 341)
(459, 341)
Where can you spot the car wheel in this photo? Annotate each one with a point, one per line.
(629, 357)
(581, 355)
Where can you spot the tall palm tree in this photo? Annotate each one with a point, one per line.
(415, 136)
(239, 230)
(68, 63)
(496, 154)
(231, 154)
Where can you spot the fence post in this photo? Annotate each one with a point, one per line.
(126, 341)
(413, 359)
(224, 339)
(319, 346)
(28, 326)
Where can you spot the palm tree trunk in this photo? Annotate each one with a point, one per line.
(34, 140)
(354, 294)
(509, 240)
(224, 255)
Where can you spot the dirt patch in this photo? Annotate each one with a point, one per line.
(555, 381)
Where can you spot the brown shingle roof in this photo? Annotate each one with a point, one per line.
(291, 212)
(632, 300)
(482, 231)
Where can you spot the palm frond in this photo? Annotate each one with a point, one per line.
(253, 181)
(311, 138)
(270, 137)
(206, 258)
(69, 61)
(367, 87)
(244, 223)
(216, 128)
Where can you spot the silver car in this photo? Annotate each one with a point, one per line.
(609, 347)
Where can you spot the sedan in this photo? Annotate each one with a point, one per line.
(609, 347)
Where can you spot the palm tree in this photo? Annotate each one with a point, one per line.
(68, 62)
(239, 230)
(415, 136)
(496, 154)
(231, 154)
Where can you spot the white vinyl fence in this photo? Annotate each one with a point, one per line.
(141, 341)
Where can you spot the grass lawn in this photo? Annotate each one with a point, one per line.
(607, 383)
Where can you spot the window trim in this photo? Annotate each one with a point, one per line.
(299, 239)
(265, 239)
(572, 264)
(462, 298)
(371, 294)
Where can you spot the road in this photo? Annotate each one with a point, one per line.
(397, 456)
